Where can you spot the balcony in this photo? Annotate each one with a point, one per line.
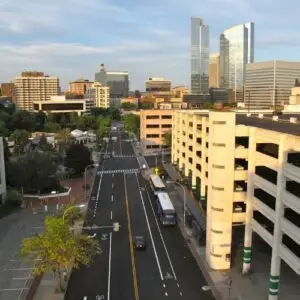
(291, 201)
(292, 171)
(268, 149)
(266, 173)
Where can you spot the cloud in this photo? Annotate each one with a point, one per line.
(71, 38)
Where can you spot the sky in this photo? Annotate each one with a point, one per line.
(71, 38)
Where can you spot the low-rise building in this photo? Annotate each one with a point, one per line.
(244, 169)
(59, 104)
(154, 123)
(79, 86)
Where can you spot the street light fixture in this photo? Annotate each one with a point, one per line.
(184, 199)
(88, 166)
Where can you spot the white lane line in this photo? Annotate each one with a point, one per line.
(180, 294)
(149, 229)
(111, 214)
(85, 298)
(112, 185)
(112, 198)
(109, 267)
(164, 285)
(20, 269)
(166, 294)
(161, 236)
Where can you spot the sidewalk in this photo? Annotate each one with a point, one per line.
(243, 287)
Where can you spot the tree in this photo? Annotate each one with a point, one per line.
(51, 127)
(57, 250)
(64, 139)
(39, 120)
(22, 120)
(102, 124)
(114, 113)
(131, 123)
(208, 105)
(44, 145)
(137, 94)
(34, 173)
(146, 105)
(167, 139)
(20, 138)
(77, 158)
(128, 106)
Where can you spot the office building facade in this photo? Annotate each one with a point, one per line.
(214, 71)
(268, 84)
(244, 169)
(34, 86)
(236, 50)
(99, 95)
(154, 123)
(79, 86)
(8, 90)
(117, 81)
(199, 56)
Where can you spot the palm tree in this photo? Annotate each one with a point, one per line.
(64, 139)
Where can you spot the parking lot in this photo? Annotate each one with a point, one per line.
(15, 271)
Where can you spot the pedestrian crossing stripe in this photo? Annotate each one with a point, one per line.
(126, 171)
(123, 156)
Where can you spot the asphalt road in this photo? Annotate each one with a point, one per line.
(166, 270)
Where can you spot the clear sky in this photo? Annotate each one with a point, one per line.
(71, 38)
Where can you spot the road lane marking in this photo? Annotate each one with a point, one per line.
(178, 284)
(150, 232)
(164, 285)
(111, 214)
(166, 294)
(135, 284)
(180, 294)
(109, 267)
(85, 298)
(161, 236)
(112, 198)
(10, 290)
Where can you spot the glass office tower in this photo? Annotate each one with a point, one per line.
(236, 50)
(199, 56)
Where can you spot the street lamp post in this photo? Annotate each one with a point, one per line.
(95, 165)
(184, 199)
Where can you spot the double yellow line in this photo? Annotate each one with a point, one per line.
(135, 284)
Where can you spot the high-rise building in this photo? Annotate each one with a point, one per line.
(199, 56)
(117, 81)
(268, 84)
(79, 86)
(236, 50)
(34, 86)
(98, 94)
(214, 70)
(8, 90)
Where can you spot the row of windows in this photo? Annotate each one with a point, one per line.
(164, 117)
(157, 126)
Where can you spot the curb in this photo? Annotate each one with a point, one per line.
(34, 287)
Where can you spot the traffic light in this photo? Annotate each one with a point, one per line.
(116, 226)
(156, 171)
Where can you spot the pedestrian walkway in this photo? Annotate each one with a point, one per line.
(125, 171)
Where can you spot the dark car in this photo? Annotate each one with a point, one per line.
(140, 243)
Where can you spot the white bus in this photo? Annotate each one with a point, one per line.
(156, 184)
(166, 210)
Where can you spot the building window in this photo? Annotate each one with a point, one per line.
(218, 166)
(219, 122)
(166, 116)
(217, 209)
(215, 255)
(166, 126)
(217, 231)
(152, 126)
(152, 136)
(216, 188)
(152, 117)
(219, 144)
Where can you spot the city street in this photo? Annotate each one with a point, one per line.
(165, 269)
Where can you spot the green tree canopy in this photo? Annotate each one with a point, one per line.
(39, 120)
(132, 123)
(128, 106)
(58, 250)
(51, 127)
(102, 124)
(167, 139)
(146, 105)
(34, 172)
(77, 158)
(20, 138)
(22, 120)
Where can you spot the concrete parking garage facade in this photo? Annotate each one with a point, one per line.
(247, 171)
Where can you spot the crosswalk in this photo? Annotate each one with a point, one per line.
(119, 156)
(126, 171)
